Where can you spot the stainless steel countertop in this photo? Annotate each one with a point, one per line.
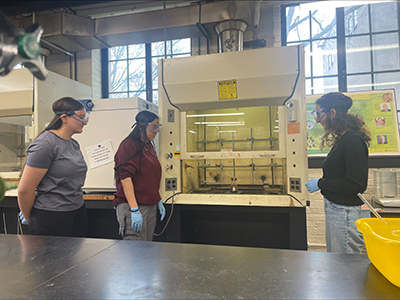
(55, 267)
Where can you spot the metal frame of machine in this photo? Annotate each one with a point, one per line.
(262, 77)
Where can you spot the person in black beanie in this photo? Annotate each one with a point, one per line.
(345, 172)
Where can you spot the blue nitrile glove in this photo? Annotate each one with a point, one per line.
(23, 221)
(161, 208)
(312, 185)
(137, 219)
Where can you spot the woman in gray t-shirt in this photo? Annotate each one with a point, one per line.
(50, 190)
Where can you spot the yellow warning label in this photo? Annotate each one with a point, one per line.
(227, 89)
(177, 154)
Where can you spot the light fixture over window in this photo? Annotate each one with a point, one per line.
(333, 4)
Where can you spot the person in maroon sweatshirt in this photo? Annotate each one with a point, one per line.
(138, 175)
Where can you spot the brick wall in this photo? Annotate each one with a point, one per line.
(96, 74)
(61, 64)
(88, 68)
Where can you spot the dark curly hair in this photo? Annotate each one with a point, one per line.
(138, 133)
(343, 122)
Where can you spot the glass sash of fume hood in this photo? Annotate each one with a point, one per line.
(14, 140)
(250, 132)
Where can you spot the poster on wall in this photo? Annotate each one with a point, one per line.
(379, 111)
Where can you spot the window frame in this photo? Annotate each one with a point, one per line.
(341, 46)
(105, 60)
(375, 161)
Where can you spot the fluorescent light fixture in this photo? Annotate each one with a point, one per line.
(191, 131)
(368, 85)
(224, 125)
(361, 49)
(215, 115)
(227, 131)
(373, 48)
(333, 4)
(220, 123)
(362, 85)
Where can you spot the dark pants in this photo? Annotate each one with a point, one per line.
(149, 213)
(65, 223)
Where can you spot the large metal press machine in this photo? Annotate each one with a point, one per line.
(234, 128)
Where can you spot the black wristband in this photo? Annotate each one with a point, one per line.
(134, 209)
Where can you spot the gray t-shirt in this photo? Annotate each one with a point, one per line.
(61, 187)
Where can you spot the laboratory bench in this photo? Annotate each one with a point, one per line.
(229, 225)
(102, 222)
(387, 212)
(37, 267)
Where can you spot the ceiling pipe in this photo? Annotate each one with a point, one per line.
(255, 12)
(55, 47)
(45, 53)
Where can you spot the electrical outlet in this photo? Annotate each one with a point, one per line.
(171, 116)
(292, 108)
(171, 184)
(295, 185)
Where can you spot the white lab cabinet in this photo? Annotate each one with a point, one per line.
(25, 108)
(110, 122)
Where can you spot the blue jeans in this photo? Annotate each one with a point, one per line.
(341, 231)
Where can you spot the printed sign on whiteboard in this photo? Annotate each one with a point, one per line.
(100, 154)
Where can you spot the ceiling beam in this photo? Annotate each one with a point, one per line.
(12, 8)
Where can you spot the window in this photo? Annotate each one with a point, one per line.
(351, 24)
(132, 69)
(317, 31)
(353, 48)
(176, 48)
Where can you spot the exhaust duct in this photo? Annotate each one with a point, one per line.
(73, 33)
(230, 35)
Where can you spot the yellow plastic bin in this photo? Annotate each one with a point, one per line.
(383, 245)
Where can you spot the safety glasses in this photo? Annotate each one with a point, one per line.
(81, 115)
(318, 114)
(154, 127)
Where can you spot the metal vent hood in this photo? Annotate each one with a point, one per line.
(76, 33)
(68, 31)
(180, 23)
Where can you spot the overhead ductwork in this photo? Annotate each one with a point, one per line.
(73, 33)
(230, 35)
(180, 23)
(68, 31)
